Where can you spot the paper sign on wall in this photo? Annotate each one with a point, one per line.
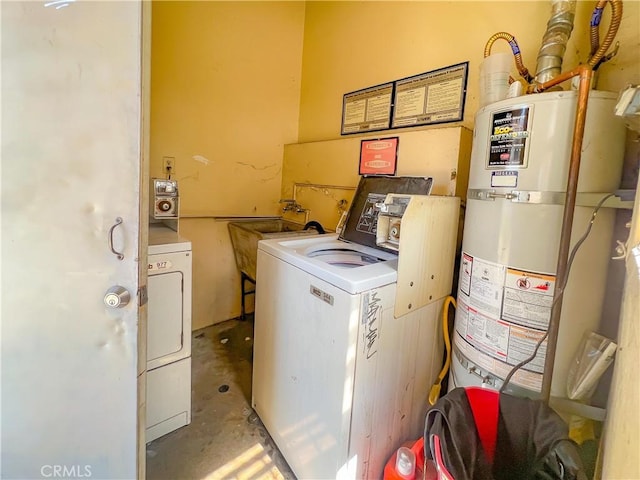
(379, 157)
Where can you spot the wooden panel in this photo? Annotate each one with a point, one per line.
(621, 441)
(313, 172)
(392, 386)
(431, 345)
(427, 250)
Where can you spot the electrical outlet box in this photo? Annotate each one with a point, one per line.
(169, 165)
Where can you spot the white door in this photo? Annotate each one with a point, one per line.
(71, 146)
(164, 338)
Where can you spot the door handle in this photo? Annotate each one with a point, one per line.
(113, 250)
(117, 297)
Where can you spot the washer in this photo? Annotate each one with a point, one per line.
(338, 382)
(168, 332)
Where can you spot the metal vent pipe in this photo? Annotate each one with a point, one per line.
(554, 41)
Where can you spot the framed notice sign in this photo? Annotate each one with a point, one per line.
(431, 97)
(379, 157)
(367, 110)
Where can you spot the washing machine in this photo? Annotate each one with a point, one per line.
(339, 381)
(168, 332)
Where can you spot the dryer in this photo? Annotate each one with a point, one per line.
(168, 332)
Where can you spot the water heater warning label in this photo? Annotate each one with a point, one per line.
(527, 298)
(508, 138)
(502, 313)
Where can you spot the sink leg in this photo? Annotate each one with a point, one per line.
(243, 279)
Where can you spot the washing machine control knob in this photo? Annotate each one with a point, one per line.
(164, 205)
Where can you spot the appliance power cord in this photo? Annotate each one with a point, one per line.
(561, 288)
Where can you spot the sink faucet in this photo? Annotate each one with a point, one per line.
(290, 205)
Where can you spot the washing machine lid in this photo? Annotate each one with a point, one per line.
(362, 218)
(343, 257)
(351, 267)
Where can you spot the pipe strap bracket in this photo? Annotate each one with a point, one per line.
(518, 196)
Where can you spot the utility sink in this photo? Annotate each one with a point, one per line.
(246, 234)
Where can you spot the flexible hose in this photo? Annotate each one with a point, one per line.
(598, 51)
(434, 393)
(524, 72)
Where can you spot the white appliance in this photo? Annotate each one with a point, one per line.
(338, 380)
(168, 332)
(517, 185)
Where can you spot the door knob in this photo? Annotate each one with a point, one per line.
(116, 297)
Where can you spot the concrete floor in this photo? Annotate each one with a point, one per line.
(225, 439)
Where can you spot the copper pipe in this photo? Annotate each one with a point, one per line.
(515, 49)
(586, 74)
(563, 77)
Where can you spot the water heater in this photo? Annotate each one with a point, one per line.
(517, 184)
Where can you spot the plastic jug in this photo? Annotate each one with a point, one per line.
(406, 463)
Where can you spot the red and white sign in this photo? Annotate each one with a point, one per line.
(379, 157)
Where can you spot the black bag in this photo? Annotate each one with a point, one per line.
(480, 434)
